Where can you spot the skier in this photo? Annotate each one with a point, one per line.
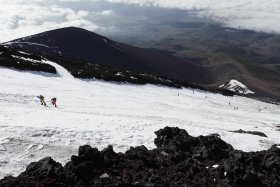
(53, 101)
(42, 100)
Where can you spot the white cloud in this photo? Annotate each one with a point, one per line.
(107, 12)
(260, 15)
(25, 17)
(20, 18)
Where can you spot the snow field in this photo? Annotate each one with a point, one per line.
(99, 113)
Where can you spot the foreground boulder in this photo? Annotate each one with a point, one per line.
(178, 160)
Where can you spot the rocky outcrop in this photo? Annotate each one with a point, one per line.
(178, 160)
(85, 70)
(12, 58)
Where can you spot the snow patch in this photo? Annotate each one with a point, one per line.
(119, 74)
(164, 153)
(119, 49)
(40, 147)
(60, 70)
(105, 175)
(105, 40)
(26, 59)
(237, 87)
(23, 53)
(30, 146)
(215, 166)
(112, 45)
(29, 43)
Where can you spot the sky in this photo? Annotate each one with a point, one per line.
(20, 18)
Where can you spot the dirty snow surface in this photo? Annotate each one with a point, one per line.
(99, 113)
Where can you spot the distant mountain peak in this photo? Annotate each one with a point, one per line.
(66, 34)
(237, 87)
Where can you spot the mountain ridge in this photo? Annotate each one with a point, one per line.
(81, 44)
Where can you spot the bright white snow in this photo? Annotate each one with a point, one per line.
(23, 53)
(105, 175)
(215, 166)
(237, 87)
(28, 43)
(25, 59)
(123, 115)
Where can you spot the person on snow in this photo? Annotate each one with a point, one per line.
(42, 100)
(53, 101)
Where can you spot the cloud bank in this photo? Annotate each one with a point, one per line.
(20, 18)
(260, 15)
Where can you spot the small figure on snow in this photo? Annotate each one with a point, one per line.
(53, 101)
(42, 100)
(236, 108)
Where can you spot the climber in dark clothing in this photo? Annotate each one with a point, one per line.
(42, 100)
(53, 101)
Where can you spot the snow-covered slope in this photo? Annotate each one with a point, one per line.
(237, 87)
(100, 113)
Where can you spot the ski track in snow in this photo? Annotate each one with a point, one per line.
(123, 115)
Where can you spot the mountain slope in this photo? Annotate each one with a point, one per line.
(11, 57)
(229, 54)
(123, 115)
(203, 63)
(81, 44)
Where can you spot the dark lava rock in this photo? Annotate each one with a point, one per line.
(250, 132)
(202, 147)
(178, 160)
(11, 58)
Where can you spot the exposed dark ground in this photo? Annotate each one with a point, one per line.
(250, 57)
(201, 54)
(92, 48)
(178, 160)
(8, 58)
